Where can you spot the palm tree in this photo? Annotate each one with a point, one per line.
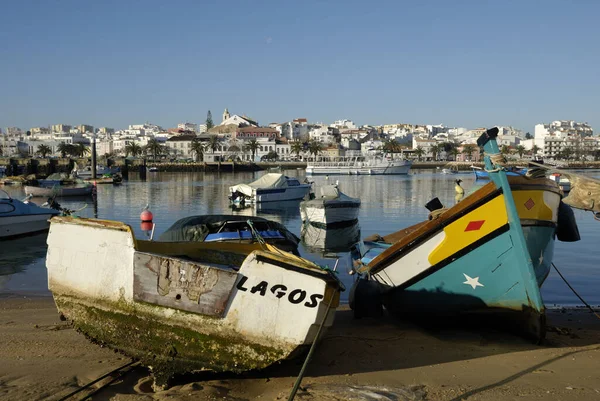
(63, 149)
(1, 150)
(435, 150)
(453, 152)
(314, 147)
(535, 149)
(566, 153)
(520, 150)
(44, 150)
(197, 148)
(133, 149)
(252, 146)
(213, 143)
(419, 152)
(297, 147)
(155, 148)
(468, 150)
(81, 150)
(505, 149)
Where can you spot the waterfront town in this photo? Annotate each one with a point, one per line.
(241, 138)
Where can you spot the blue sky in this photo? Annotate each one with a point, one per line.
(460, 63)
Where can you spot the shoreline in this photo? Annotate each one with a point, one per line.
(43, 357)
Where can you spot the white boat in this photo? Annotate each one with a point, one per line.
(153, 169)
(270, 187)
(19, 218)
(86, 172)
(187, 306)
(450, 169)
(562, 181)
(359, 165)
(60, 190)
(331, 208)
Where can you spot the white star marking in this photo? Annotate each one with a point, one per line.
(473, 282)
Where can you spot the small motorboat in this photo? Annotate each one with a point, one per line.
(271, 187)
(489, 253)
(20, 218)
(86, 172)
(60, 190)
(563, 182)
(187, 306)
(331, 208)
(450, 169)
(153, 169)
(481, 174)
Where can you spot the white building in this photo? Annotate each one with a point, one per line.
(240, 121)
(343, 124)
(188, 127)
(295, 130)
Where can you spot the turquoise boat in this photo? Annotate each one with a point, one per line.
(490, 252)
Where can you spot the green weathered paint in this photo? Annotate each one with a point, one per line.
(167, 349)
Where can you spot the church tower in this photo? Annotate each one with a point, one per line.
(226, 114)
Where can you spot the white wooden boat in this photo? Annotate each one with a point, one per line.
(563, 182)
(331, 208)
(360, 165)
(186, 306)
(60, 190)
(19, 218)
(272, 187)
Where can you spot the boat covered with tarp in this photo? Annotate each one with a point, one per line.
(330, 208)
(271, 187)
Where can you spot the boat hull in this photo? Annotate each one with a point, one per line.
(59, 191)
(262, 195)
(329, 214)
(17, 226)
(180, 315)
(484, 175)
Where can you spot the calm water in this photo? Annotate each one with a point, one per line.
(388, 204)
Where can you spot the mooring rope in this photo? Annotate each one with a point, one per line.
(80, 389)
(312, 347)
(575, 292)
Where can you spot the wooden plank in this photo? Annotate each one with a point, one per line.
(182, 284)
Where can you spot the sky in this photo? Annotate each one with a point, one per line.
(458, 63)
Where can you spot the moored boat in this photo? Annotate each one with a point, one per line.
(490, 252)
(86, 172)
(60, 190)
(359, 165)
(271, 187)
(482, 174)
(331, 208)
(563, 182)
(19, 218)
(181, 306)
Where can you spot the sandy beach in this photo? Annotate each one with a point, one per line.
(42, 358)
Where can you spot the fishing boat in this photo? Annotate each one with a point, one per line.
(153, 169)
(231, 228)
(187, 306)
(563, 182)
(331, 208)
(490, 252)
(271, 187)
(86, 172)
(481, 174)
(359, 165)
(20, 218)
(60, 190)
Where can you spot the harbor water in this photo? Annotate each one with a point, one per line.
(389, 203)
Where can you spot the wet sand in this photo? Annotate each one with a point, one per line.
(44, 358)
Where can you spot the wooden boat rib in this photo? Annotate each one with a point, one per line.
(216, 306)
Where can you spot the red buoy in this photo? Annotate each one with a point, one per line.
(146, 216)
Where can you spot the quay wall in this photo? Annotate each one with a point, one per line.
(43, 167)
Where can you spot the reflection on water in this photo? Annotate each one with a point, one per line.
(331, 240)
(388, 204)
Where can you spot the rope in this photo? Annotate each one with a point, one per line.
(80, 389)
(575, 292)
(310, 352)
(497, 159)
